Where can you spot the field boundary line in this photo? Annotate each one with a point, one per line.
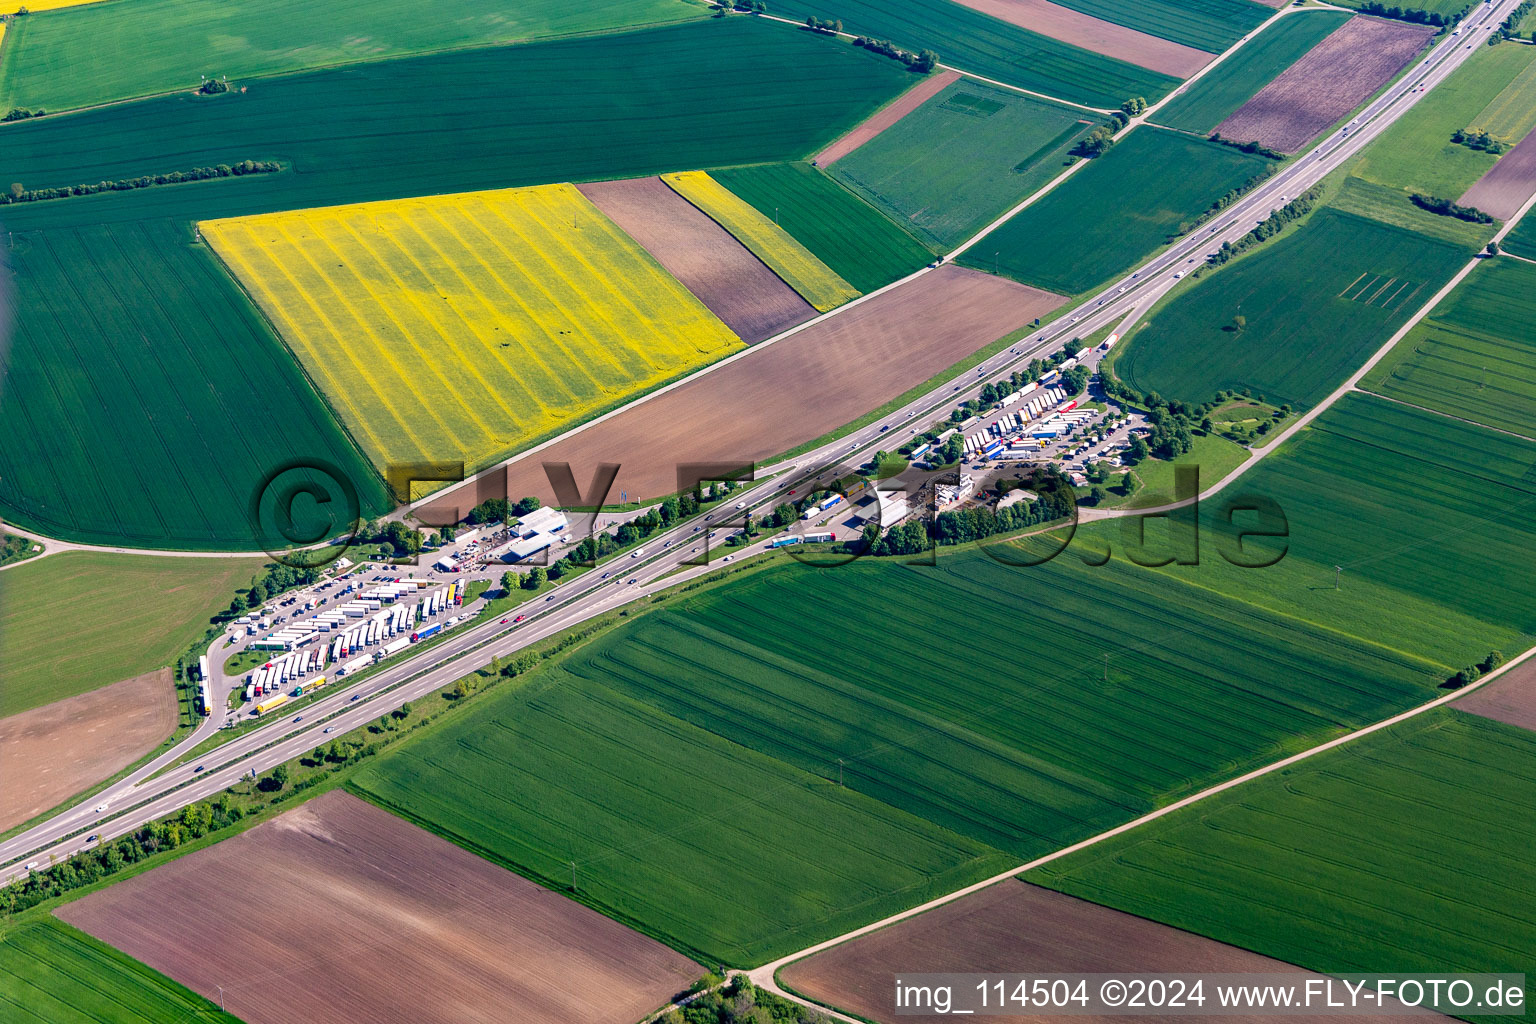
(766, 975)
(1443, 415)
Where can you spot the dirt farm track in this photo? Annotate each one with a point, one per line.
(772, 399)
(1329, 81)
(1015, 927)
(337, 912)
(49, 754)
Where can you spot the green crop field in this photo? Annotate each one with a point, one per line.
(958, 162)
(111, 51)
(990, 47)
(1393, 206)
(847, 234)
(1405, 851)
(1475, 355)
(1450, 8)
(1231, 83)
(1316, 302)
(1211, 25)
(165, 402)
(1512, 113)
(166, 416)
(1521, 239)
(52, 974)
(1417, 155)
(712, 848)
(1109, 215)
(78, 620)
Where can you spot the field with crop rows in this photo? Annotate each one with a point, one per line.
(1404, 851)
(1475, 355)
(1316, 304)
(859, 243)
(1417, 155)
(718, 851)
(163, 400)
(568, 110)
(987, 46)
(1211, 25)
(78, 620)
(1521, 239)
(785, 256)
(52, 974)
(1512, 113)
(467, 326)
(109, 52)
(1109, 215)
(1392, 206)
(955, 164)
(1230, 84)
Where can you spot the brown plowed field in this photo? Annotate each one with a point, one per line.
(1329, 81)
(49, 754)
(736, 285)
(1511, 698)
(1090, 33)
(772, 399)
(338, 912)
(886, 116)
(1017, 928)
(1508, 184)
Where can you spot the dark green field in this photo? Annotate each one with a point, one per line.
(619, 752)
(1405, 851)
(111, 51)
(1475, 355)
(1231, 83)
(161, 396)
(1317, 303)
(990, 47)
(163, 401)
(1210, 25)
(847, 234)
(1521, 239)
(52, 974)
(957, 163)
(1109, 215)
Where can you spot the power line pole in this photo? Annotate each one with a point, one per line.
(573, 876)
(839, 772)
(1106, 668)
(1338, 572)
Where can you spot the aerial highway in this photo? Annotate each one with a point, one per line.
(677, 555)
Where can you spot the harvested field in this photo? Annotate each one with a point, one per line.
(885, 117)
(1505, 188)
(1096, 36)
(366, 917)
(1510, 699)
(1326, 84)
(724, 275)
(49, 754)
(794, 390)
(1013, 927)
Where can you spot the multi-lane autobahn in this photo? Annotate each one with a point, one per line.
(138, 798)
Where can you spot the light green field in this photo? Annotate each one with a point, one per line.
(75, 621)
(1450, 8)
(1416, 154)
(1316, 303)
(956, 163)
(1234, 81)
(1405, 851)
(52, 974)
(1110, 214)
(112, 51)
(1512, 113)
(1393, 206)
(1475, 356)
(1214, 456)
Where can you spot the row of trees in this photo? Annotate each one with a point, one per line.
(1248, 147)
(1477, 138)
(1414, 14)
(496, 510)
(923, 62)
(22, 113)
(1511, 23)
(740, 1002)
(1231, 196)
(274, 580)
(1472, 673)
(1447, 208)
(1055, 501)
(826, 26)
(194, 822)
(1268, 228)
(19, 194)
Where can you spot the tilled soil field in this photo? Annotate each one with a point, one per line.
(736, 285)
(1508, 184)
(774, 398)
(1016, 928)
(1510, 699)
(885, 117)
(1329, 81)
(49, 754)
(1098, 36)
(337, 912)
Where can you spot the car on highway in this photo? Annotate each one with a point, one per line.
(328, 728)
(298, 718)
(520, 618)
(197, 769)
(101, 808)
(503, 622)
(631, 581)
(94, 837)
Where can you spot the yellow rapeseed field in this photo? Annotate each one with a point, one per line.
(464, 327)
(799, 268)
(33, 6)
